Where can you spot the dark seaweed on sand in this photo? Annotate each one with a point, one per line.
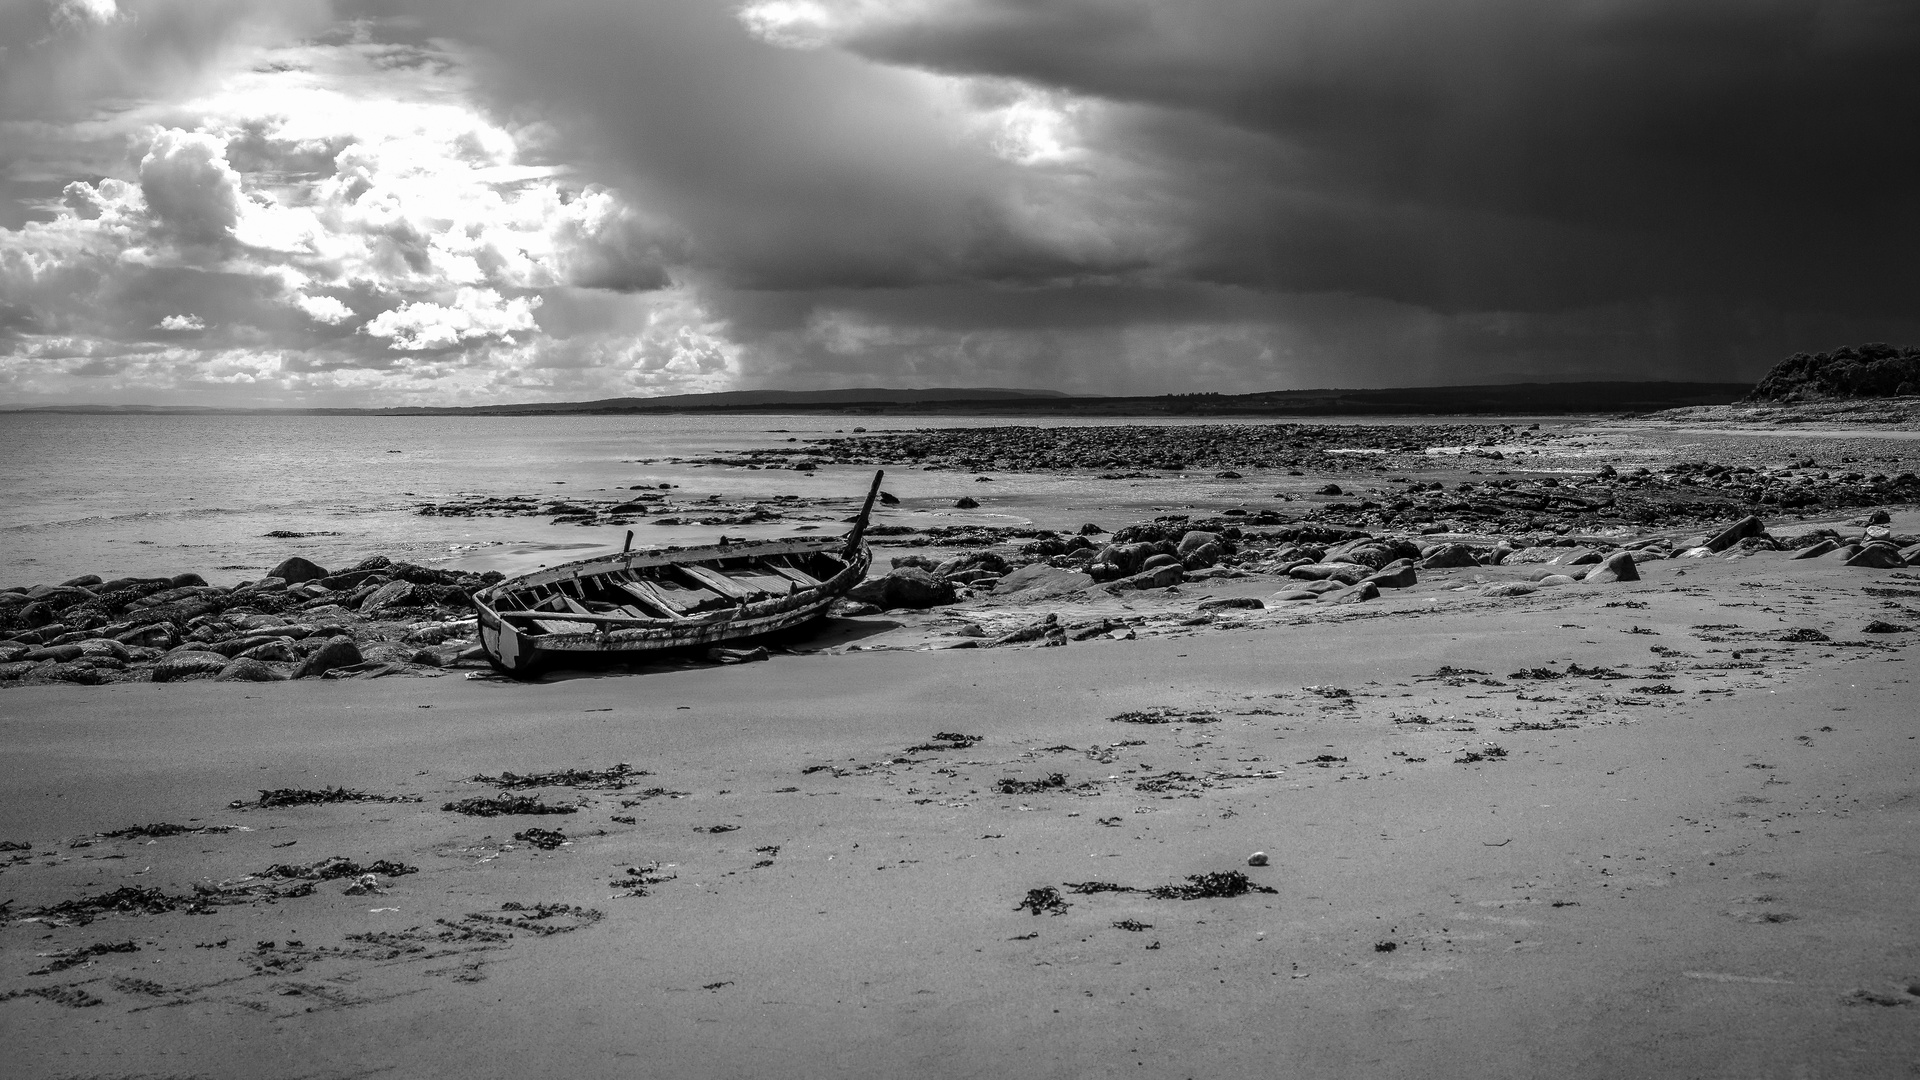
(544, 839)
(71, 996)
(613, 778)
(1010, 786)
(947, 740)
(126, 900)
(337, 866)
(1219, 884)
(1163, 715)
(1087, 888)
(162, 828)
(306, 797)
(497, 805)
(1043, 901)
(75, 957)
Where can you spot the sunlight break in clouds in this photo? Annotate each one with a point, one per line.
(323, 207)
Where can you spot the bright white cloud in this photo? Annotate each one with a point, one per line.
(94, 12)
(324, 309)
(473, 315)
(183, 322)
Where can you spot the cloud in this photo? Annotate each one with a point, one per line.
(473, 315)
(414, 199)
(182, 322)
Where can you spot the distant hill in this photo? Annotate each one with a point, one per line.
(1507, 399)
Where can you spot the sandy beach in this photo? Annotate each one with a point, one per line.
(1661, 827)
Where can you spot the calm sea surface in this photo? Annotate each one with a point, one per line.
(153, 495)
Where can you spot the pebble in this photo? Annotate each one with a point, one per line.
(1258, 858)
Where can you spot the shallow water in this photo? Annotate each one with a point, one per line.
(154, 495)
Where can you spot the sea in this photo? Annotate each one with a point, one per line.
(159, 495)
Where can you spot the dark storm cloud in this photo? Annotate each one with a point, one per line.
(1510, 153)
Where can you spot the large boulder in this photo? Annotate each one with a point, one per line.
(187, 662)
(1039, 580)
(1150, 579)
(337, 652)
(1196, 539)
(1878, 556)
(245, 670)
(1618, 566)
(1394, 575)
(295, 570)
(1448, 557)
(1575, 557)
(391, 595)
(1736, 532)
(1821, 547)
(904, 587)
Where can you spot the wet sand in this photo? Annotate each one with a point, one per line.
(1489, 855)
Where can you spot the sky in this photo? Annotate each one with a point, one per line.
(399, 202)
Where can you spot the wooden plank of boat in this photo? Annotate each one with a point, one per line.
(648, 595)
(772, 584)
(586, 624)
(798, 577)
(718, 582)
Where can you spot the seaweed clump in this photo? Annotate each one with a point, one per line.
(544, 839)
(1221, 884)
(337, 866)
(1010, 786)
(1043, 901)
(947, 740)
(498, 805)
(307, 797)
(606, 779)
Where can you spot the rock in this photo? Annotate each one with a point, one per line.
(1575, 557)
(1554, 579)
(276, 651)
(1038, 580)
(1331, 570)
(18, 669)
(851, 609)
(1448, 557)
(182, 581)
(1736, 532)
(373, 562)
(1878, 556)
(1817, 550)
(1196, 539)
(85, 581)
(12, 651)
(1155, 562)
(1258, 858)
(434, 633)
(1618, 566)
(966, 502)
(391, 595)
(1511, 588)
(906, 587)
(246, 670)
(188, 662)
(1878, 517)
(1090, 529)
(1399, 575)
(337, 652)
(1291, 595)
(1033, 631)
(151, 636)
(1843, 553)
(1149, 579)
(104, 647)
(1363, 591)
(1330, 489)
(1230, 603)
(59, 654)
(295, 570)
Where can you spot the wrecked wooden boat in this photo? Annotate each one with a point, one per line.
(624, 606)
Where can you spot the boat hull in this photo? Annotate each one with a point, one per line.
(513, 649)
